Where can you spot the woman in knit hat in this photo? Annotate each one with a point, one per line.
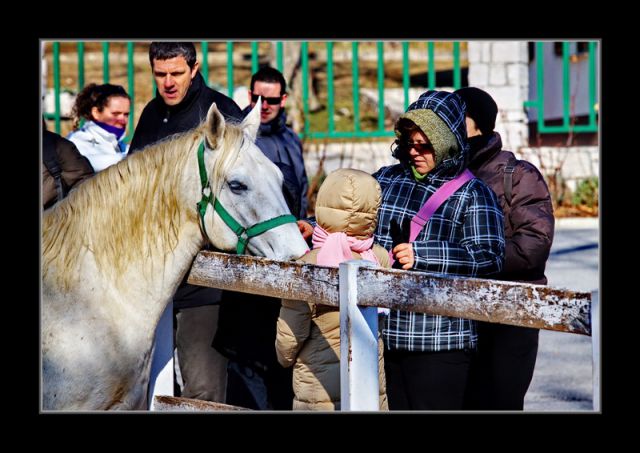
(308, 335)
(427, 356)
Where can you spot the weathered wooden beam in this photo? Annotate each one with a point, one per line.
(180, 404)
(518, 304)
(249, 274)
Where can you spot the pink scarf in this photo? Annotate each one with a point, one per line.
(336, 247)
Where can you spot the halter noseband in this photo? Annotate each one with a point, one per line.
(244, 234)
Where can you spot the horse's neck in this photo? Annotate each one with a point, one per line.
(151, 278)
(174, 262)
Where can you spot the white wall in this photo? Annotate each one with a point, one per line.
(500, 68)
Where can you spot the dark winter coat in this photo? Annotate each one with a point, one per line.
(74, 167)
(503, 367)
(158, 120)
(528, 219)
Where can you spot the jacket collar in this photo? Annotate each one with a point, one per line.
(486, 152)
(92, 128)
(274, 126)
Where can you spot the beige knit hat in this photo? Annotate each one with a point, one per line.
(443, 141)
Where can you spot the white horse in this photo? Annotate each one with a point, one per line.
(115, 250)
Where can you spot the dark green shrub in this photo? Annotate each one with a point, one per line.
(586, 193)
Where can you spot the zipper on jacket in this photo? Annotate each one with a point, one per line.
(166, 118)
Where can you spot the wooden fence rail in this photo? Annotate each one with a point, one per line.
(356, 288)
(518, 304)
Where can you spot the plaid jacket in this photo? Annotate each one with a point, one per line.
(465, 236)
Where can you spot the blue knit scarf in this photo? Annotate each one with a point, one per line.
(117, 131)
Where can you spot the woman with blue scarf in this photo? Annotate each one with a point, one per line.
(105, 109)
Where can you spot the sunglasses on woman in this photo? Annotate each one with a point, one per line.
(420, 147)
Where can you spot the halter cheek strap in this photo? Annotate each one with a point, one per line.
(243, 234)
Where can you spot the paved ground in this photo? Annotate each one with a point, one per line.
(562, 380)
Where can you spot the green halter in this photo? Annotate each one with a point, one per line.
(244, 234)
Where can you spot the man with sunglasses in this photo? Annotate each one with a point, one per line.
(247, 324)
(276, 140)
(181, 103)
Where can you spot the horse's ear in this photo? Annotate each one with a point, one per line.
(252, 122)
(215, 126)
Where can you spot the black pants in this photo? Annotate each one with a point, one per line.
(426, 380)
(258, 389)
(503, 368)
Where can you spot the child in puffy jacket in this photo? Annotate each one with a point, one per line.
(308, 334)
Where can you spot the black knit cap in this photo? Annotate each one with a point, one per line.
(480, 107)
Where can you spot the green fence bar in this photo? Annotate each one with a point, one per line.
(105, 62)
(380, 46)
(280, 56)
(540, 83)
(254, 57)
(81, 73)
(356, 87)
(457, 77)
(348, 134)
(154, 87)
(330, 93)
(205, 62)
(539, 102)
(592, 84)
(56, 84)
(405, 73)
(131, 72)
(80, 66)
(566, 84)
(304, 49)
(431, 67)
(230, 69)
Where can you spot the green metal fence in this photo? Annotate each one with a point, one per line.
(57, 90)
(568, 95)
(330, 97)
(420, 72)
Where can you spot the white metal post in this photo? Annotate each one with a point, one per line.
(358, 344)
(595, 347)
(161, 375)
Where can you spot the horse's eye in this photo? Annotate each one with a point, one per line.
(237, 187)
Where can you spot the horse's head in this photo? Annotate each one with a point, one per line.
(249, 207)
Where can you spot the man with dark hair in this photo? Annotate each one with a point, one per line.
(247, 323)
(181, 103)
(182, 98)
(502, 370)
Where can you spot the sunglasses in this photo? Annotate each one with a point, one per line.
(270, 101)
(420, 147)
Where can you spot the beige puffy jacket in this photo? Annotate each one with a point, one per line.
(308, 335)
